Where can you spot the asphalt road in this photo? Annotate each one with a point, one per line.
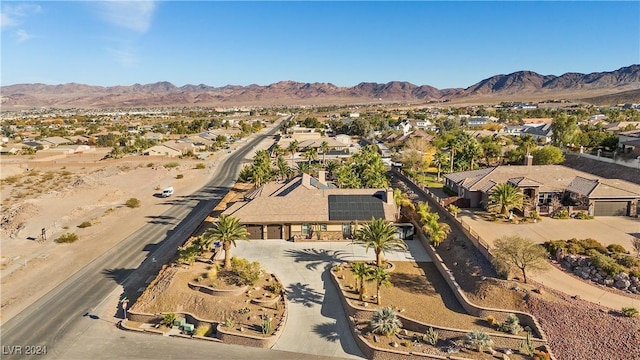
(54, 321)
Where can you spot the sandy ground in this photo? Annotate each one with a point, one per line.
(82, 189)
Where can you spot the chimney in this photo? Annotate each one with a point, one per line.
(306, 180)
(389, 197)
(528, 160)
(322, 177)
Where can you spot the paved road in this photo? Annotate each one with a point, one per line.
(57, 319)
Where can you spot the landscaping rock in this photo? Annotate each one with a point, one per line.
(622, 284)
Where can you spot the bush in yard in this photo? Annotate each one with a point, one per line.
(200, 166)
(202, 330)
(133, 203)
(248, 273)
(168, 319)
(430, 337)
(561, 213)
(85, 224)
(511, 325)
(479, 340)
(617, 248)
(385, 322)
(171, 165)
(629, 312)
(604, 263)
(67, 238)
(583, 215)
(627, 261)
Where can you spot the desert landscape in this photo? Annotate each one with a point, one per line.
(61, 195)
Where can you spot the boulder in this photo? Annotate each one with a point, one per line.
(622, 284)
(608, 281)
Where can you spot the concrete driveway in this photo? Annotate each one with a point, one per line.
(316, 324)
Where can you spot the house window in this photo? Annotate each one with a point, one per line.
(346, 230)
(305, 229)
(323, 227)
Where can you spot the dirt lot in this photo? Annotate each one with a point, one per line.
(59, 195)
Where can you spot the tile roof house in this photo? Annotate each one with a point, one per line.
(603, 197)
(540, 133)
(306, 207)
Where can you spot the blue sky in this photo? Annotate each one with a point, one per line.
(442, 44)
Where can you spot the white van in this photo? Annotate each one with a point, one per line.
(166, 192)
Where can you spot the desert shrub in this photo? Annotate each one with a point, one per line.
(561, 213)
(201, 166)
(12, 179)
(511, 325)
(617, 248)
(385, 321)
(479, 340)
(541, 355)
(491, 320)
(248, 273)
(67, 238)
(635, 273)
(187, 254)
(430, 336)
(202, 330)
(589, 243)
(213, 272)
(133, 203)
(553, 246)
(150, 165)
(85, 224)
(171, 165)
(49, 175)
(275, 287)
(168, 319)
(583, 215)
(627, 261)
(629, 312)
(179, 176)
(604, 263)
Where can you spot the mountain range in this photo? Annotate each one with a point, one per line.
(521, 85)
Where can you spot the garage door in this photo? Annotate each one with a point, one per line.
(611, 208)
(255, 231)
(274, 231)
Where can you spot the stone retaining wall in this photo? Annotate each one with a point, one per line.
(218, 292)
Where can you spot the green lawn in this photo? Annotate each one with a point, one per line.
(428, 179)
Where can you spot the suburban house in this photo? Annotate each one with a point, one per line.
(536, 121)
(310, 208)
(629, 141)
(403, 126)
(162, 150)
(617, 127)
(515, 130)
(599, 196)
(424, 125)
(317, 143)
(541, 134)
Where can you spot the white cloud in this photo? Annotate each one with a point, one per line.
(133, 15)
(126, 58)
(23, 35)
(14, 14)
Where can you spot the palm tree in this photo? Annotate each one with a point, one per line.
(283, 168)
(505, 197)
(402, 200)
(227, 230)
(361, 271)
(440, 158)
(423, 211)
(381, 236)
(292, 149)
(324, 147)
(385, 322)
(310, 153)
(276, 150)
(438, 231)
(381, 277)
(331, 167)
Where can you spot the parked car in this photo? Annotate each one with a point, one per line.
(166, 192)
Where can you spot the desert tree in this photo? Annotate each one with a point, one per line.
(517, 253)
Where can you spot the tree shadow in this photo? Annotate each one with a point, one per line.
(327, 331)
(160, 219)
(117, 275)
(304, 294)
(412, 283)
(316, 257)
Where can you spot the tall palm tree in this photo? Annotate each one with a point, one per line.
(227, 230)
(440, 158)
(293, 149)
(505, 197)
(324, 148)
(283, 169)
(381, 236)
(361, 271)
(381, 277)
(402, 200)
(310, 153)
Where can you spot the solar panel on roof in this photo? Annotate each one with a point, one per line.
(355, 207)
